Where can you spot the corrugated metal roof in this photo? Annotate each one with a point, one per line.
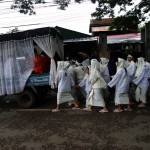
(124, 38)
(70, 34)
(22, 35)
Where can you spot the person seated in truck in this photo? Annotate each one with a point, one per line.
(42, 63)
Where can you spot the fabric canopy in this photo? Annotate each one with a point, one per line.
(50, 46)
(16, 65)
(29, 34)
(17, 57)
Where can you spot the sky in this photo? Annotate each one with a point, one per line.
(75, 17)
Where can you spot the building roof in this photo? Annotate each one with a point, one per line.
(124, 38)
(102, 22)
(22, 35)
(100, 25)
(74, 36)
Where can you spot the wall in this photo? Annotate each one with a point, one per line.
(145, 37)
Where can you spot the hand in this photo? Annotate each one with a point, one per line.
(77, 86)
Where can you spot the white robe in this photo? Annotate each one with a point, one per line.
(142, 84)
(142, 79)
(87, 85)
(121, 81)
(72, 72)
(131, 70)
(148, 65)
(73, 89)
(95, 98)
(79, 74)
(105, 74)
(65, 82)
(85, 64)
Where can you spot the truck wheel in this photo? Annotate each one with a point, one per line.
(27, 99)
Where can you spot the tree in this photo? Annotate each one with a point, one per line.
(13, 30)
(105, 7)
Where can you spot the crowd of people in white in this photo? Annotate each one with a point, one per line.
(92, 80)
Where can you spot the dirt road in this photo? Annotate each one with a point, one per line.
(40, 129)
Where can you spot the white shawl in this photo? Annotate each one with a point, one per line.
(140, 64)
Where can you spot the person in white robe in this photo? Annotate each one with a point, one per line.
(79, 72)
(79, 75)
(121, 83)
(85, 64)
(131, 68)
(73, 89)
(148, 65)
(64, 82)
(141, 80)
(97, 83)
(87, 85)
(104, 69)
(59, 65)
(105, 74)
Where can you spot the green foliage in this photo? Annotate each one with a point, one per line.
(125, 23)
(105, 7)
(13, 30)
(26, 6)
(62, 3)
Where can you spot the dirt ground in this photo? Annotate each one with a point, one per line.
(40, 129)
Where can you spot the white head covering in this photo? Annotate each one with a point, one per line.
(59, 66)
(103, 62)
(140, 64)
(95, 65)
(121, 63)
(86, 63)
(65, 64)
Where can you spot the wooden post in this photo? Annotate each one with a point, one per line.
(102, 46)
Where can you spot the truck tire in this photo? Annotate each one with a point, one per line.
(27, 99)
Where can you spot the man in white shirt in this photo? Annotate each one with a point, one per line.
(131, 68)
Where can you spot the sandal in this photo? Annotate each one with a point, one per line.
(74, 108)
(84, 108)
(126, 109)
(55, 110)
(88, 109)
(116, 110)
(103, 111)
(141, 105)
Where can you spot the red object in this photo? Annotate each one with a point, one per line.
(42, 64)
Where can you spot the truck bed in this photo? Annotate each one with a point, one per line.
(38, 80)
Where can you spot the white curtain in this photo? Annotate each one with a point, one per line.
(16, 65)
(59, 48)
(49, 46)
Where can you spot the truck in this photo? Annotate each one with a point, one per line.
(16, 64)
